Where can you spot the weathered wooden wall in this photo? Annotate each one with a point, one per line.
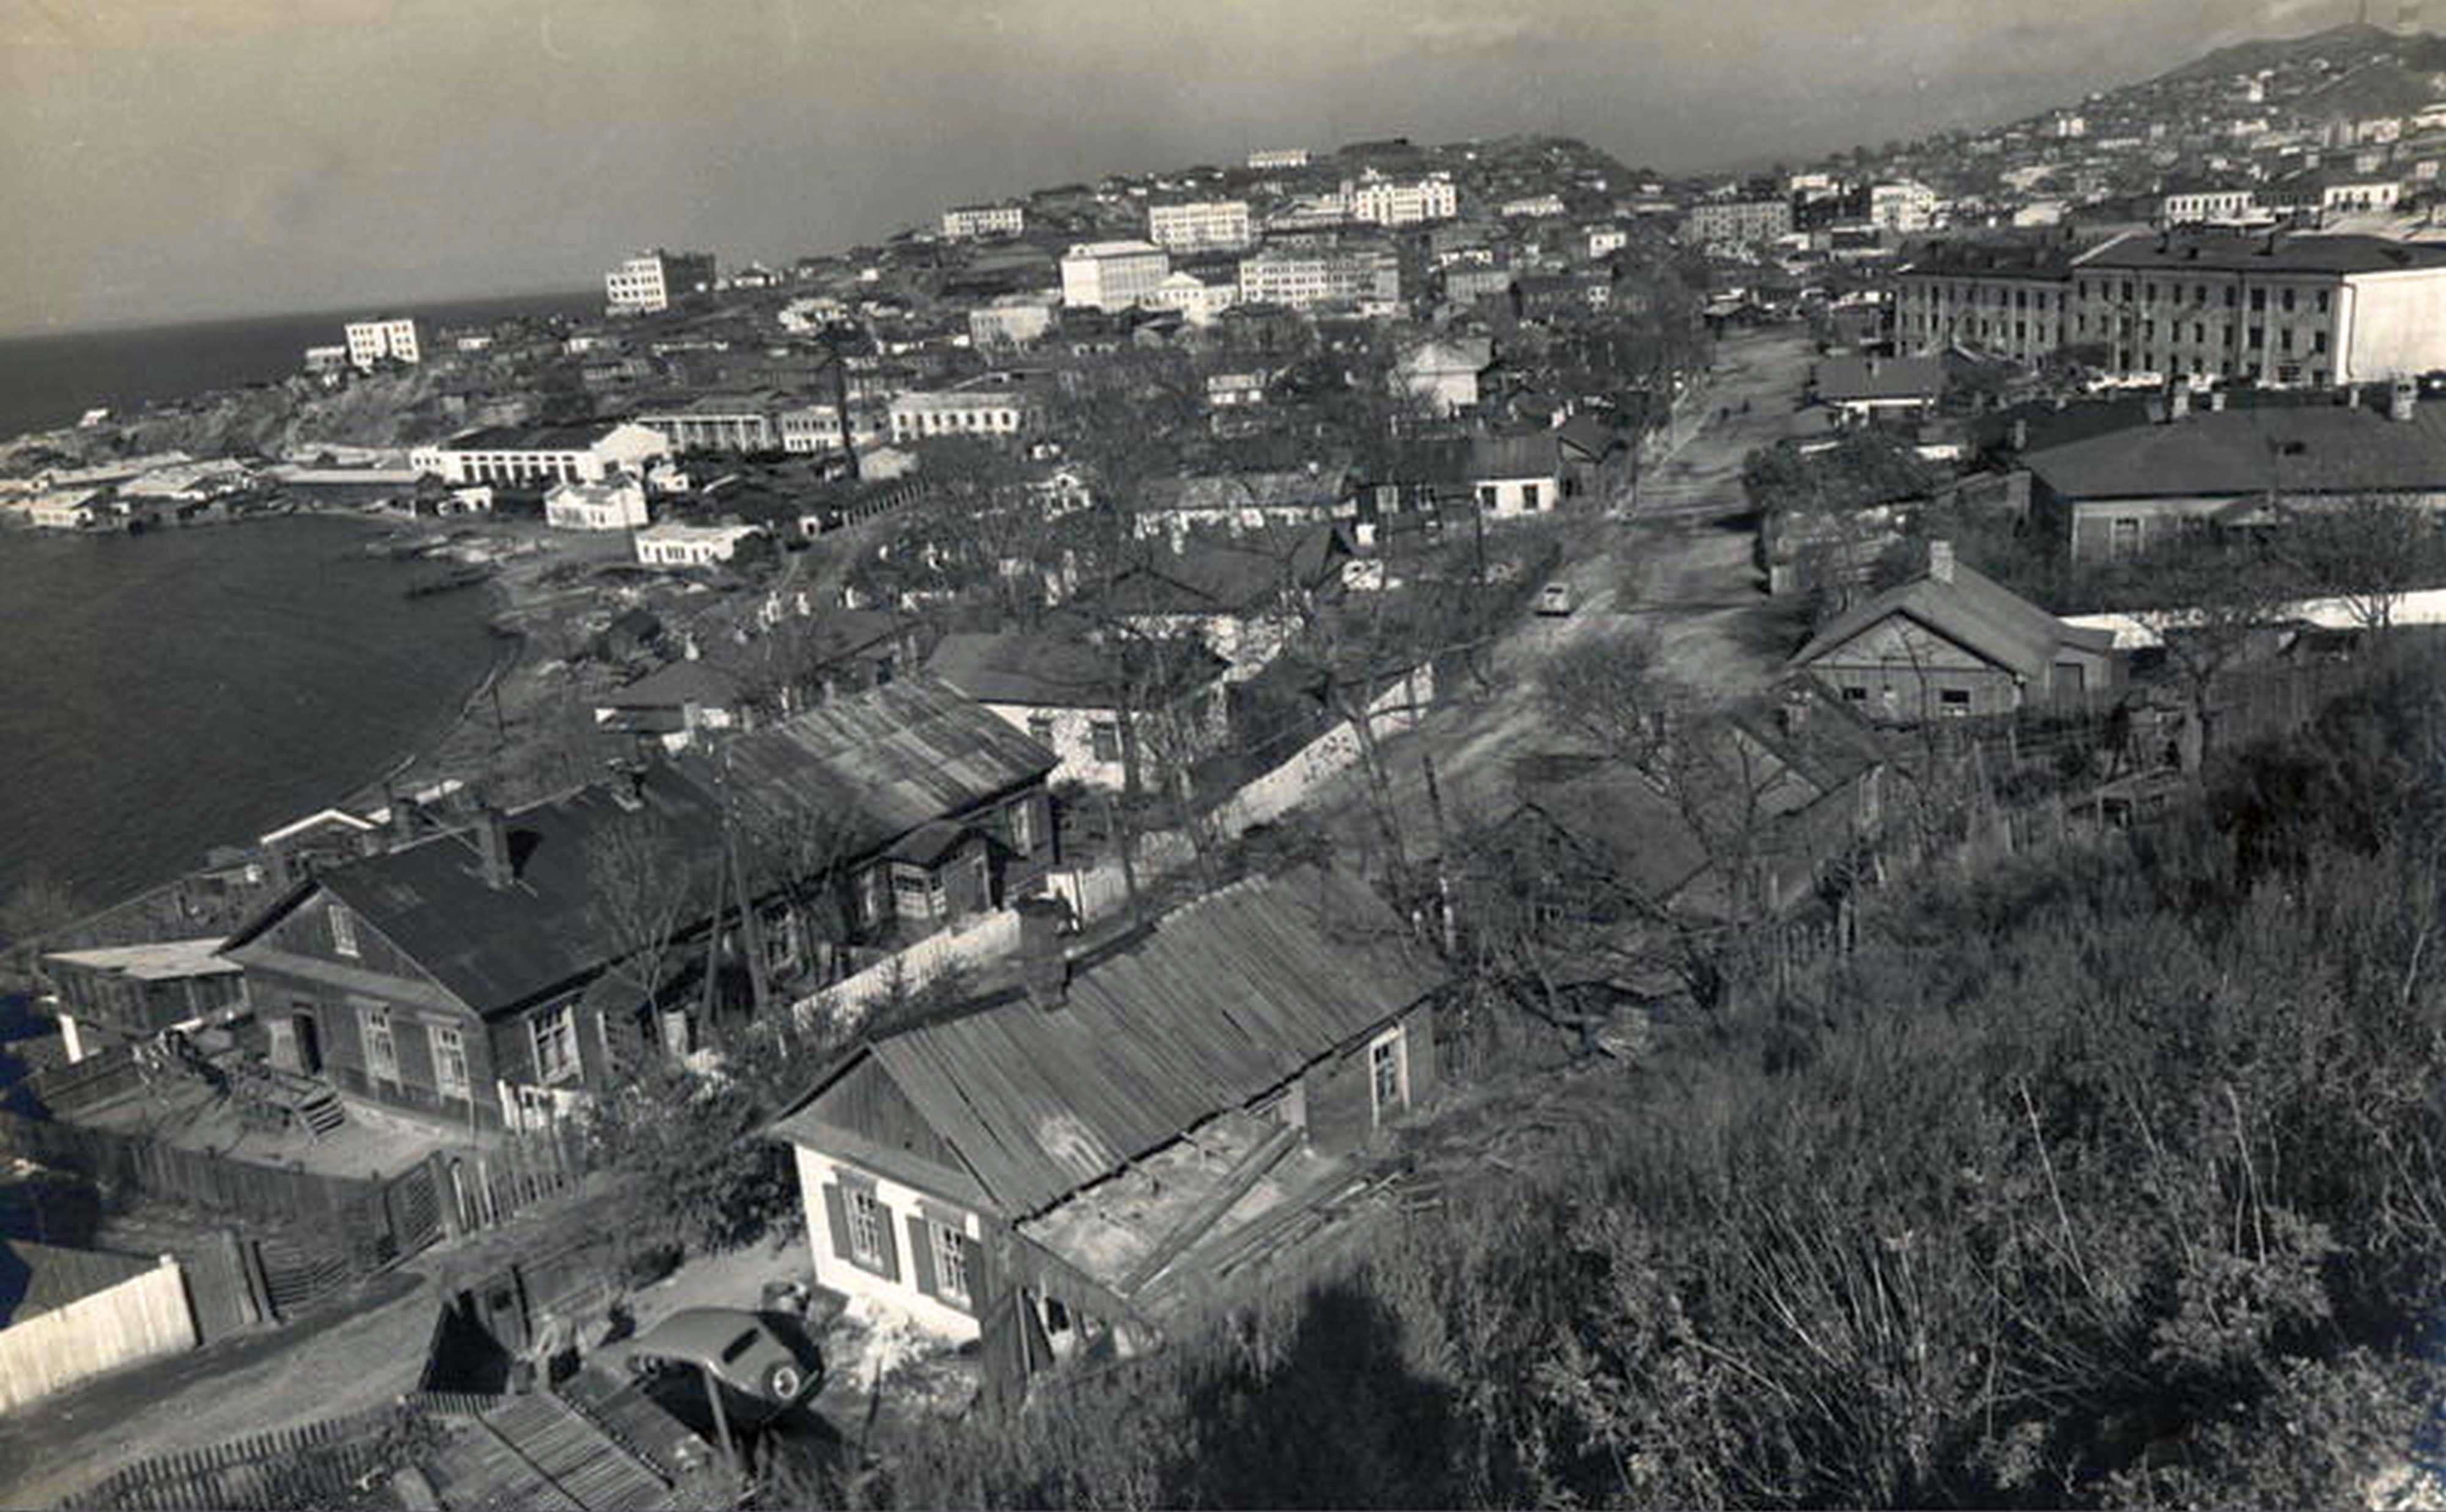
(141, 1318)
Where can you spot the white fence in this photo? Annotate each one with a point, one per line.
(1095, 893)
(141, 1318)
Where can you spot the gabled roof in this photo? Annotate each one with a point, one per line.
(880, 763)
(1535, 453)
(681, 683)
(1321, 489)
(1057, 671)
(1221, 1000)
(498, 949)
(1838, 380)
(1975, 612)
(1238, 577)
(2291, 449)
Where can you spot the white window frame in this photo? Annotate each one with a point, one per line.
(375, 1023)
(950, 1256)
(344, 930)
(1023, 827)
(554, 1026)
(1397, 1041)
(449, 1061)
(866, 1220)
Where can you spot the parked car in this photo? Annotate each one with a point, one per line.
(1555, 598)
(763, 1362)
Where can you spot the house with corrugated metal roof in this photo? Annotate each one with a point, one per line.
(1067, 1170)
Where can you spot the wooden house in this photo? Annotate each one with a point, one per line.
(117, 993)
(1061, 1170)
(1954, 644)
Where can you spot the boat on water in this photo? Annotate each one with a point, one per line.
(450, 582)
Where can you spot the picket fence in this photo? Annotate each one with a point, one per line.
(1103, 890)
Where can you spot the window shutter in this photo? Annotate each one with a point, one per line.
(890, 1266)
(836, 1217)
(921, 1255)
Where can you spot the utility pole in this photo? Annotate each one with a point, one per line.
(831, 339)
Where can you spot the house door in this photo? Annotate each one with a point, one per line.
(2071, 684)
(309, 1044)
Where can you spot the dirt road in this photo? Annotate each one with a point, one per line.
(1678, 560)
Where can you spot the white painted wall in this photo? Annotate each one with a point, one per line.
(141, 1318)
(817, 1171)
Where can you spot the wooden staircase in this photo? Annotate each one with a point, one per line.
(282, 1098)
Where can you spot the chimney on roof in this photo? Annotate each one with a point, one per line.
(400, 819)
(2021, 436)
(493, 847)
(1940, 561)
(1043, 968)
(2401, 396)
(2178, 400)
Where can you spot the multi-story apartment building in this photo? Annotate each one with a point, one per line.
(388, 337)
(973, 222)
(1198, 299)
(1015, 320)
(1201, 225)
(1272, 158)
(2283, 310)
(2011, 298)
(1733, 224)
(1905, 207)
(1530, 206)
(1111, 274)
(722, 422)
(818, 428)
(649, 281)
(1385, 201)
(992, 413)
(1303, 277)
(2207, 204)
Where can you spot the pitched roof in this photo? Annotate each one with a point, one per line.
(2271, 251)
(1535, 454)
(1213, 577)
(1054, 670)
(498, 949)
(2312, 448)
(683, 682)
(1840, 379)
(1221, 1000)
(880, 763)
(1972, 610)
(1239, 491)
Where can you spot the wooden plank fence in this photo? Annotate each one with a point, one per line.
(99, 1078)
(328, 1459)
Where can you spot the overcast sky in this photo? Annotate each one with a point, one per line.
(162, 160)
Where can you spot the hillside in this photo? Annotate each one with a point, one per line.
(2353, 41)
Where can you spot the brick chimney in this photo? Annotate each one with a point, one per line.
(2021, 436)
(1043, 968)
(493, 847)
(1940, 561)
(2402, 397)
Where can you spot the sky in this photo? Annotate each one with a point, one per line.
(169, 159)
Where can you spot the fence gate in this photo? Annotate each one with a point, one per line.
(414, 1203)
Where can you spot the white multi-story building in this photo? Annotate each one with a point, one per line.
(1904, 206)
(649, 281)
(517, 455)
(721, 423)
(818, 428)
(1200, 225)
(384, 338)
(1197, 301)
(1267, 158)
(1400, 202)
(674, 544)
(921, 414)
(1111, 274)
(1014, 320)
(2207, 205)
(614, 504)
(970, 222)
(1530, 206)
(1301, 279)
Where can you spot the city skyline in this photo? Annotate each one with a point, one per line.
(225, 159)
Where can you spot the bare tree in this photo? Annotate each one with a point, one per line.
(649, 890)
(2368, 552)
